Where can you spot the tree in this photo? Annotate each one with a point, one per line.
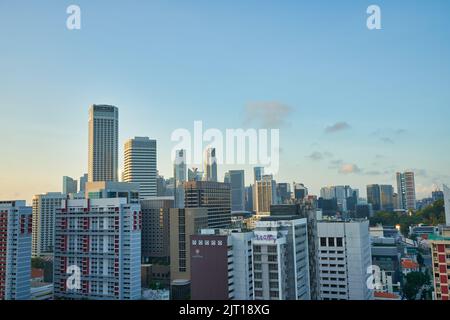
(414, 283)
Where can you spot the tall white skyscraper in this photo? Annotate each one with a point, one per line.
(140, 165)
(446, 191)
(15, 250)
(179, 174)
(101, 238)
(44, 208)
(406, 190)
(344, 258)
(103, 143)
(210, 165)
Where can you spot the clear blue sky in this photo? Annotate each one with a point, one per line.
(168, 63)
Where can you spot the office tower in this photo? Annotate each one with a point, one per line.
(300, 191)
(160, 186)
(258, 173)
(446, 191)
(183, 223)
(155, 229)
(237, 184)
(283, 193)
(103, 143)
(110, 189)
(437, 195)
(344, 258)
(83, 181)
(249, 198)
(374, 196)
(179, 174)
(15, 250)
(406, 190)
(100, 238)
(440, 251)
(387, 197)
(340, 193)
(222, 257)
(215, 196)
(309, 212)
(264, 195)
(210, 165)
(44, 208)
(280, 260)
(140, 165)
(69, 185)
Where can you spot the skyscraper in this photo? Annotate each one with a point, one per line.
(446, 191)
(210, 165)
(283, 192)
(264, 195)
(258, 173)
(406, 190)
(215, 196)
(69, 185)
(15, 250)
(101, 238)
(374, 196)
(387, 197)
(237, 184)
(155, 229)
(83, 180)
(140, 165)
(179, 174)
(44, 208)
(300, 191)
(103, 143)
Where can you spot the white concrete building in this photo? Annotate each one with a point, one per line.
(44, 208)
(140, 165)
(98, 250)
(344, 259)
(280, 260)
(15, 250)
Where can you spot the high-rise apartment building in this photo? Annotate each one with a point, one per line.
(83, 181)
(215, 196)
(98, 250)
(440, 253)
(264, 195)
(344, 259)
(15, 250)
(237, 184)
(222, 257)
(210, 165)
(309, 212)
(155, 229)
(44, 209)
(103, 143)
(406, 190)
(184, 223)
(69, 185)
(280, 260)
(140, 165)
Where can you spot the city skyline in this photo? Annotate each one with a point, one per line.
(383, 110)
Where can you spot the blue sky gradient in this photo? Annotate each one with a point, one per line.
(166, 64)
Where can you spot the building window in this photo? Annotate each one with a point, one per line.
(339, 242)
(331, 242)
(323, 242)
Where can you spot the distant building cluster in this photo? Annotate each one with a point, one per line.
(194, 237)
